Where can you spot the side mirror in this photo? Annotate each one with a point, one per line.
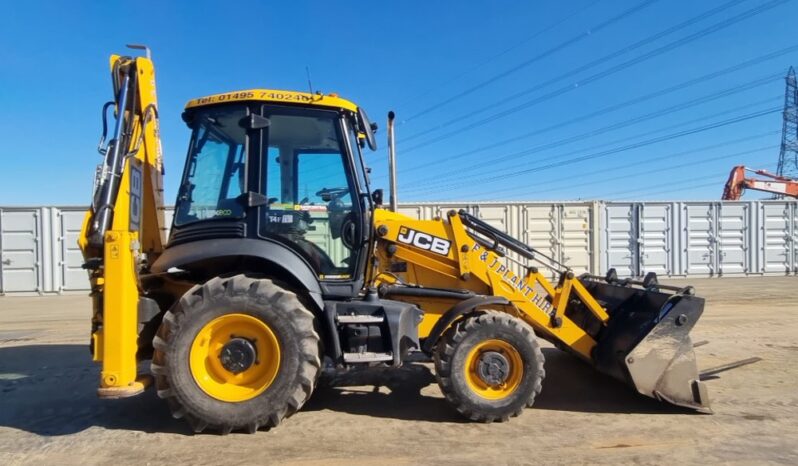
(368, 128)
(376, 197)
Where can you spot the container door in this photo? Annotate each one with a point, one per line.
(620, 239)
(733, 238)
(575, 234)
(699, 239)
(73, 276)
(19, 251)
(776, 245)
(655, 238)
(794, 242)
(541, 226)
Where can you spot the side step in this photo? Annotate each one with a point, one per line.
(359, 319)
(354, 358)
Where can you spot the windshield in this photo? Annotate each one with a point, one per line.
(215, 172)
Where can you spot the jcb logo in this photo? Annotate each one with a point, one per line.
(424, 241)
(135, 196)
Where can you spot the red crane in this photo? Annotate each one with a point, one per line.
(776, 184)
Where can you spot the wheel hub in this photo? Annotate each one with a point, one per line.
(493, 368)
(238, 355)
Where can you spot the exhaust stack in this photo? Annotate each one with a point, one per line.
(393, 201)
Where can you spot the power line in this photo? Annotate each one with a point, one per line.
(689, 164)
(435, 184)
(615, 168)
(624, 140)
(538, 33)
(631, 121)
(586, 66)
(612, 108)
(666, 191)
(637, 145)
(573, 40)
(671, 183)
(615, 69)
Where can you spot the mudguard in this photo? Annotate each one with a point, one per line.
(206, 252)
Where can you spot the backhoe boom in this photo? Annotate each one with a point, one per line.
(738, 182)
(123, 230)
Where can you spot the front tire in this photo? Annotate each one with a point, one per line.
(236, 353)
(489, 366)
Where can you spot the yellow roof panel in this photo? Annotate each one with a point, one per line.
(272, 95)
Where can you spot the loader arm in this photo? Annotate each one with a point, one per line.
(123, 230)
(606, 322)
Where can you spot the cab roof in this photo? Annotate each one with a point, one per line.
(274, 95)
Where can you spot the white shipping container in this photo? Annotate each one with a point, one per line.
(39, 252)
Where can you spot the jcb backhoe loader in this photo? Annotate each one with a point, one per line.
(281, 261)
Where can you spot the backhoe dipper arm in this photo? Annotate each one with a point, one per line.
(123, 230)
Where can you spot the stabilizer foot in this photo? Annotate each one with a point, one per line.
(134, 388)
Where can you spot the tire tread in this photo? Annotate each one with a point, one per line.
(264, 292)
(449, 343)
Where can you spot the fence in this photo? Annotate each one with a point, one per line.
(39, 253)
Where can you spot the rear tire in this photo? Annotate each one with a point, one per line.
(201, 389)
(489, 366)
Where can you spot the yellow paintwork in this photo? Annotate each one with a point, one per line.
(468, 265)
(276, 96)
(484, 389)
(218, 382)
(115, 286)
(120, 311)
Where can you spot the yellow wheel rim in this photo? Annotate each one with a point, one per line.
(494, 369)
(221, 383)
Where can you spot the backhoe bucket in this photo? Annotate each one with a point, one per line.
(647, 340)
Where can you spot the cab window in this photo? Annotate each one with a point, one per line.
(309, 190)
(215, 172)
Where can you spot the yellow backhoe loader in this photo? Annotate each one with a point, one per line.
(282, 262)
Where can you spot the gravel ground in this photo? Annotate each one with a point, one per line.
(49, 412)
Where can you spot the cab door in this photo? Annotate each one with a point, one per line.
(313, 195)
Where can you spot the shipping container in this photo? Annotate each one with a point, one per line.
(39, 252)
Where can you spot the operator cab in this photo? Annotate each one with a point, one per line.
(284, 167)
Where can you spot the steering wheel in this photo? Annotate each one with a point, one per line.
(331, 194)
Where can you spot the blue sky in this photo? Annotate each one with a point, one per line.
(494, 98)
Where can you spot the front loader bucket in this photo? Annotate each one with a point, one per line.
(647, 340)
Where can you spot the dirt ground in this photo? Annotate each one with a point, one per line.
(49, 412)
